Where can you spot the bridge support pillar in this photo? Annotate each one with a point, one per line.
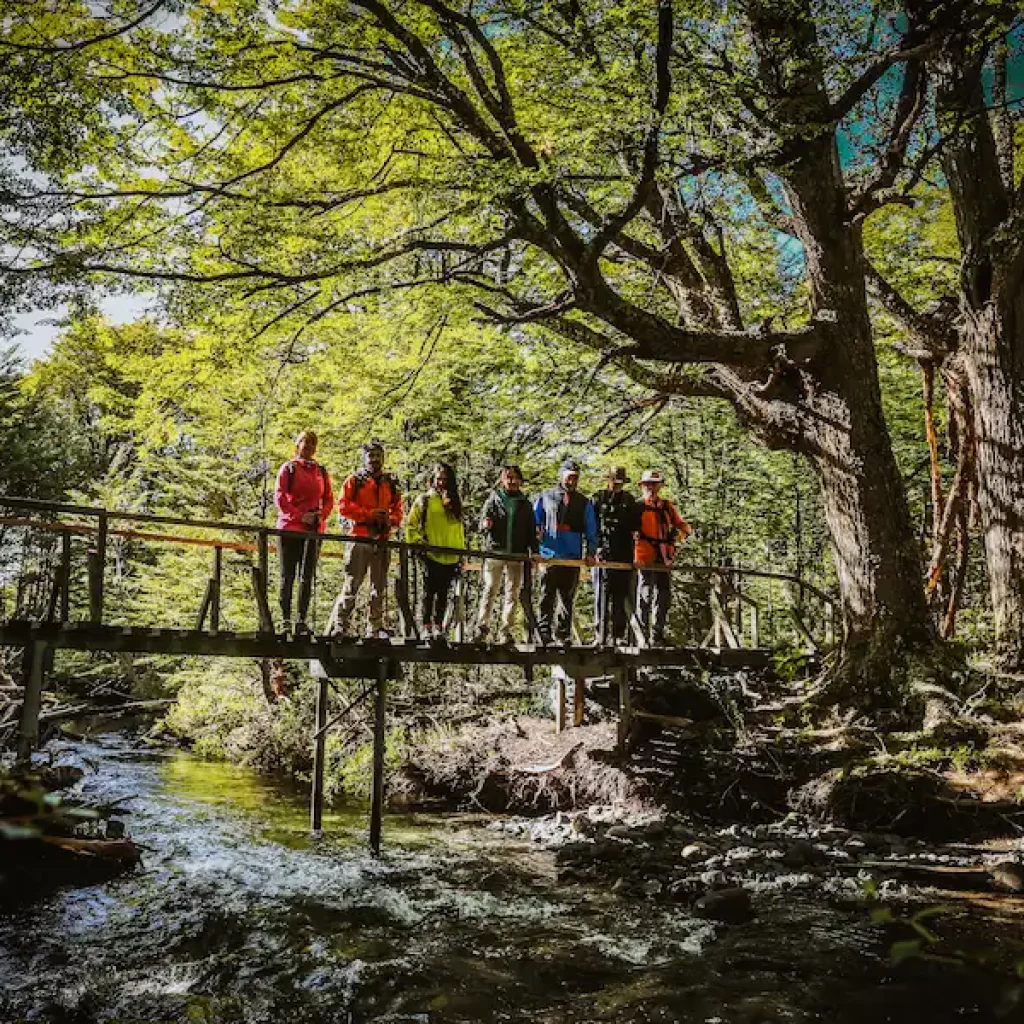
(28, 727)
(316, 802)
(377, 788)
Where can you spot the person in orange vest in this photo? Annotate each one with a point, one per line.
(661, 527)
(304, 500)
(372, 502)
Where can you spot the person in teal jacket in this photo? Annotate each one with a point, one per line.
(436, 519)
(507, 527)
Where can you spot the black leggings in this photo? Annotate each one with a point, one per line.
(437, 582)
(300, 550)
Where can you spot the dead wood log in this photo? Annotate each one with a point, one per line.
(123, 851)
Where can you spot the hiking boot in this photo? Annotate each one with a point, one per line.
(302, 629)
(481, 635)
(286, 627)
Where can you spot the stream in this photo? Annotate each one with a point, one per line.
(238, 915)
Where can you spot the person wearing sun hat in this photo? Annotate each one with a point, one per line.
(659, 529)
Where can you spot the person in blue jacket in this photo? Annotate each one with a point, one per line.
(565, 522)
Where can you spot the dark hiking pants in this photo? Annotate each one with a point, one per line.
(298, 554)
(557, 592)
(653, 596)
(613, 603)
(437, 583)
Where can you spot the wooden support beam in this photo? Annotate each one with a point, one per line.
(28, 728)
(377, 783)
(316, 799)
(723, 627)
(204, 607)
(578, 701)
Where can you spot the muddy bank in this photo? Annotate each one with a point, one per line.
(726, 750)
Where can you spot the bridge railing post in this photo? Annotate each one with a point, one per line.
(215, 585)
(263, 565)
(59, 595)
(405, 612)
(97, 565)
(526, 602)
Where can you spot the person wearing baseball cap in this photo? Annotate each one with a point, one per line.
(660, 528)
(618, 515)
(565, 520)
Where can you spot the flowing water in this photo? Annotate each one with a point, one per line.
(237, 915)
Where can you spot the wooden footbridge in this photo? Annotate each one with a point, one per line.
(80, 578)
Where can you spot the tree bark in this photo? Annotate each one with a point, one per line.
(878, 562)
(989, 225)
(993, 349)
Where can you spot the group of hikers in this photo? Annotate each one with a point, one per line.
(560, 526)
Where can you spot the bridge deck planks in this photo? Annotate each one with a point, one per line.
(575, 661)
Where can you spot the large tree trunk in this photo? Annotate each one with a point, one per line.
(993, 350)
(878, 561)
(992, 337)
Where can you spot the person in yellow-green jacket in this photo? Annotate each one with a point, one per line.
(436, 518)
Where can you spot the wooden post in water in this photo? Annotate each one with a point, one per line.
(377, 788)
(316, 801)
(28, 727)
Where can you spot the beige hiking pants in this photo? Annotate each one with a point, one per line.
(363, 558)
(492, 574)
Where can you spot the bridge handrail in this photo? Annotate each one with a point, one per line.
(344, 538)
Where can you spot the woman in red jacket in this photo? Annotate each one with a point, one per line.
(304, 500)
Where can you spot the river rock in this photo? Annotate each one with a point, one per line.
(731, 906)
(652, 887)
(801, 854)
(695, 851)
(1008, 875)
(620, 832)
(114, 829)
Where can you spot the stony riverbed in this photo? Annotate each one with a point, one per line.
(603, 915)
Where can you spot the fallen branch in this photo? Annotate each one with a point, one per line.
(543, 769)
(87, 710)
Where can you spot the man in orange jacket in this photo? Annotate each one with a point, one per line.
(661, 526)
(372, 502)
